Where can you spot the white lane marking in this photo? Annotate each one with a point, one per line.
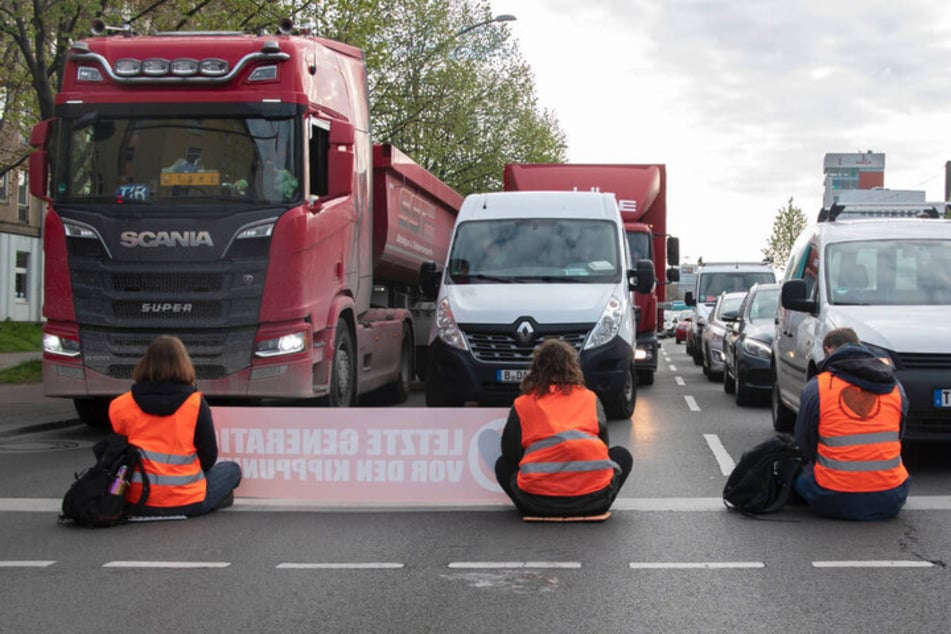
(663, 565)
(673, 368)
(260, 505)
(369, 565)
(680, 381)
(692, 403)
(720, 453)
(873, 564)
(166, 564)
(37, 563)
(494, 565)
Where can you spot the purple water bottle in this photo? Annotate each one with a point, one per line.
(118, 485)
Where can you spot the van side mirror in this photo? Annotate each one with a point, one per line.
(688, 299)
(641, 279)
(793, 297)
(340, 160)
(429, 280)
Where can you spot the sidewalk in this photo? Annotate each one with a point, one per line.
(13, 359)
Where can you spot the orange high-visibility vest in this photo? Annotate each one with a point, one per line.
(859, 446)
(167, 447)
(563, 454)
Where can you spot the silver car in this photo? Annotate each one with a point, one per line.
(724, 311)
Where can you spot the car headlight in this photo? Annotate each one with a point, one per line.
(609, 324)
(286, 344)
(755, 348)
(446, 327)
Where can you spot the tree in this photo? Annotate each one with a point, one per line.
(788, 224)
(460, 101)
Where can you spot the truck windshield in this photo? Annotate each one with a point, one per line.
(147, 160)
(536, 250)
(893, 272)
(712, 284)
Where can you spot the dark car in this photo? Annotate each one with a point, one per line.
(747, 346)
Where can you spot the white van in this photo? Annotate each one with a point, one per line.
(524, 267)
(888, 278)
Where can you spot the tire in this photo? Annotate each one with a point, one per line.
(343, 379)
(94, 412)
(729, 381)
(622, 405)
(398, 391)
(784, 419)
(645, 377)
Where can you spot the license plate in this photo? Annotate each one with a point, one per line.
(510, 376)
(942, 397)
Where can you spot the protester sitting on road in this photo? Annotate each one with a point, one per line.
(555, 458)
(850, 423)
(167, 418)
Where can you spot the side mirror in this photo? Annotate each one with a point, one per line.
(641, 280)
(340, 160)
(429, 280)
(688, 299)
(793, 297)
(673, 274)
(673, 255)
(39, 160)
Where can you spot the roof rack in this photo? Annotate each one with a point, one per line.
(845, 211)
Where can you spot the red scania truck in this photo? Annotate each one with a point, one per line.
(223, 188)
(641, 192)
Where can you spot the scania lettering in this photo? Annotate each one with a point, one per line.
(223, 188)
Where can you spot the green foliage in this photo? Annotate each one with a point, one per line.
(18, 336)
(26, 372)
(787, 225)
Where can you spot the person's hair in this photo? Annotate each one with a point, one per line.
(166, 359)
(556, 363)
(838, 337)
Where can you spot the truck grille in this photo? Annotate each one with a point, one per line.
(167, 282)
(497, 347)
(167, 310)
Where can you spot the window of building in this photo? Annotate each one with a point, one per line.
(4, 186)
(22, 276)
(23, 197)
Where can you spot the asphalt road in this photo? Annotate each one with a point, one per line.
(671, 558)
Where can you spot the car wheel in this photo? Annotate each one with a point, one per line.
(398, 391)
(784, 419)
(343, 371)
(744, 395)
(645, 377)
(729, 381)
(622, 405)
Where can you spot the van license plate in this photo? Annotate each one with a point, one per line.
(510, 376)
(942, 397)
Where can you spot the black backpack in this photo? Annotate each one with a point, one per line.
(97, 497)
(762, 480)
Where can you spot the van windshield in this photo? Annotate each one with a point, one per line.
(536, 250)
(712, 284)
(889, 272)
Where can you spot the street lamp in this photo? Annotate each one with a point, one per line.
(505, 17)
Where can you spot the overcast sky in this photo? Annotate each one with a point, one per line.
(741, 100)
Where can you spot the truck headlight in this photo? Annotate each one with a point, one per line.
(609, 324)
(61, 346)
(446, 327)
(286, 344)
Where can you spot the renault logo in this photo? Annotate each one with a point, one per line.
(524, 333)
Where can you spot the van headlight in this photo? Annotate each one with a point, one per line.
(446, 327)
(610, 323)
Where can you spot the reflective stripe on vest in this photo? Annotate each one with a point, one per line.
(859, 447)
(167, 447)
(564, 456)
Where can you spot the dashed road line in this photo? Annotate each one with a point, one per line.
(37, 563)
(673, 368)
(691, 403)
(367, 565)
(679, 380)
(167, 564)
(720, 453)
(498, 565)
(703, 565)
(873, 564)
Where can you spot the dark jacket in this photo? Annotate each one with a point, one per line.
(856, 365)
(163, 399)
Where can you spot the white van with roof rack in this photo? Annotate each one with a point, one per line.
(883, 270)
